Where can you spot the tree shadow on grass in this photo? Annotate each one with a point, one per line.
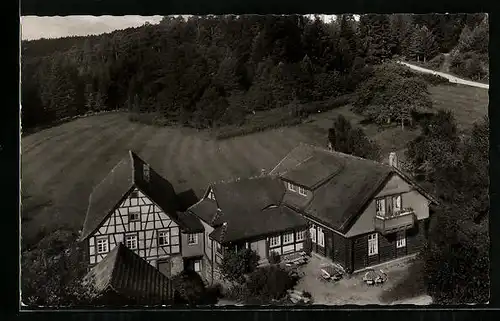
(410, 286)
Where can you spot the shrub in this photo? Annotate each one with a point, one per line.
(214, 291)
(270, 282)
(274, 258)
(435, 80)
(235, 265)
(436, 62)
(189, 288)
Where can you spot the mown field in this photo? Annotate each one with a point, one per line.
(61, 165)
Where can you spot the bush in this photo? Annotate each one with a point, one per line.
(435, 80)
(235, 265)
(274, 258)
(189, 289)
(436, 62)
(270, 283)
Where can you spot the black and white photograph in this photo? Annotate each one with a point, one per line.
(254, 160)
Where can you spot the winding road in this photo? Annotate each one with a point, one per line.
(451, 78)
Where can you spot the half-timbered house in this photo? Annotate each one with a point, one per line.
(135, 206)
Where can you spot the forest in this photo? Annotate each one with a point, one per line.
(212, 71)
(209, 72)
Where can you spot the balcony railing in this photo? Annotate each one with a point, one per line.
(398, 221)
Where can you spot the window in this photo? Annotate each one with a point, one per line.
(145, 172)
(211, 194)
(321, 237)
(131, 241)
(192, 239)
(134, 216)
(302, 191)
(292, 187)
(401, 240)
(102, 246)
(274, 241)
(134, 194)
(300, 236)
(373, 244)
(207, 240)
(218, 247)
(163, 238)
(380, 204)
(288, 238)
(197, 266)
(396, 203)
(312, 230)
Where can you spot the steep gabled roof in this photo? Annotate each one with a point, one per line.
(344, 190)
(126, 273)
(259, 223)
(249, 208)
(117, 185)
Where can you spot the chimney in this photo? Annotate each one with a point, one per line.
(393, 160)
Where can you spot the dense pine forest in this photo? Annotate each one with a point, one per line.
(211, 71)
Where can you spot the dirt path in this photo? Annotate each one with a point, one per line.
(451, 78)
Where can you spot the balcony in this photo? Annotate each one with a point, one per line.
(399, 221)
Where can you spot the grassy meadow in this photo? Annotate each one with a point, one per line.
(61, 165)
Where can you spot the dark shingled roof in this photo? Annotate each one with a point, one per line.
(259, 223)
(342, 195)
(118, 184)
(314, 171)
(250, 207)
(126, 273)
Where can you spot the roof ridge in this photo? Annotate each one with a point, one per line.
(113, 268)
(132, 164)
(288, 154)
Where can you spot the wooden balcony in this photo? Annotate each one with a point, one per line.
(399, 221)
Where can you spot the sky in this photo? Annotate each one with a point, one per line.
(34, 27)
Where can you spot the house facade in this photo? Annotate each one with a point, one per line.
(357, 212)
(360, 212)
(135, 206)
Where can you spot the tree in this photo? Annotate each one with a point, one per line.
(401, 29)
(346, 139)
(465, 40)
(423, 44)
(375, 32)
(235, 265)
(392, 93)
(435, 154)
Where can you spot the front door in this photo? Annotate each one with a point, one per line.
(164, 266)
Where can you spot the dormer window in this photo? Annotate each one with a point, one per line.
(295, 189)
(211, 194)
(145, 172)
